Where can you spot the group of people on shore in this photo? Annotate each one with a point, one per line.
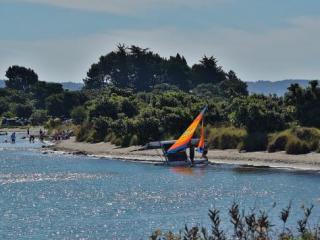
(62, 135)
(31, 137)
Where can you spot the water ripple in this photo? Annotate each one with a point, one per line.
(41, 177)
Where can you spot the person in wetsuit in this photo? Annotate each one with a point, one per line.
(191, 154)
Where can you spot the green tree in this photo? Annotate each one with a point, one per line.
(60, 105)
(178, 72)
(103, 107)
(4, 106)
(258, 113)
(233, 86)
(79, 114)
(55, 105)
(23, 110)
(306, 102)
(20, 78)
(39, 117)
(41, 90)
(207, 71)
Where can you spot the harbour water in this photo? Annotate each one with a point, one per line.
(59, 196)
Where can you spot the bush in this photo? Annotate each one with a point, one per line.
(279, 141)
(296, 146)
(257, 141)
(53, 123)
(258, 113)
(225, 138)
(302, 138)
(100, 129)
(4, 106)
(23, 111)
(38, 117)
(134, 140)
(83, 132)
(78, 114)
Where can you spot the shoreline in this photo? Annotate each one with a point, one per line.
(277, 160)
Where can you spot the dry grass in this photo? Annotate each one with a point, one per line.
(225, 137)
(298, 140)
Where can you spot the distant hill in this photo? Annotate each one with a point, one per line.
(72, 86)
(260, 87)
(2, 83)
(276, 87)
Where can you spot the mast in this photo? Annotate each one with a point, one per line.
(185, 138)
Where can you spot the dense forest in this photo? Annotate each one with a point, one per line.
(133, 95)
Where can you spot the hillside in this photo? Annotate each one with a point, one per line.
(71, 86)
(276, 87)
(262, 86)
(2, 84)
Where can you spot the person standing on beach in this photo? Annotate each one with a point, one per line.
(13, 137)
(28, 131)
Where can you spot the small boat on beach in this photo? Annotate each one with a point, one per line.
(175, 151)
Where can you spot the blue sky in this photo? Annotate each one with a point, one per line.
(259, 39)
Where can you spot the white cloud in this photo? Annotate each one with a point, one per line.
(123, 6)
(290, 52)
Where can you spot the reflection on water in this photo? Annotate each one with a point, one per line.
(187, 171)
(76, 197)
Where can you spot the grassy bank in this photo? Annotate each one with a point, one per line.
(297, 140)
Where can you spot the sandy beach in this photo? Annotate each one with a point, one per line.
(309, 161)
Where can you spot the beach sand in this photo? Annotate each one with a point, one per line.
(309, 161)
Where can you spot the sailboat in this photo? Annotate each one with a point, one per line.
(175, 151)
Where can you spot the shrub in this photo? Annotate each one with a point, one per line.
(78, 114)
(258, 113)
(100, 127)
(134, 140)
(110, 137)
(4, 106)
(38, 117)
(309, 135)
(296, 146)
(279, 141)
(23, 111)
(302, 138)
(256, 141)
(225, 137)
(53, 123)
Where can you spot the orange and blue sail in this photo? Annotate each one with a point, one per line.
(184, 140)
(200, 146)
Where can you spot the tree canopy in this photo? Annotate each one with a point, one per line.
(140, 69)
(20, 78)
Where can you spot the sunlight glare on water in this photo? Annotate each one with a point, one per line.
(55, 196)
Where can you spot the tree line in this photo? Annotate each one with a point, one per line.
(133, 95)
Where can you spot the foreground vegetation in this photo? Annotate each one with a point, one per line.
(247, 226)
(132, 96)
